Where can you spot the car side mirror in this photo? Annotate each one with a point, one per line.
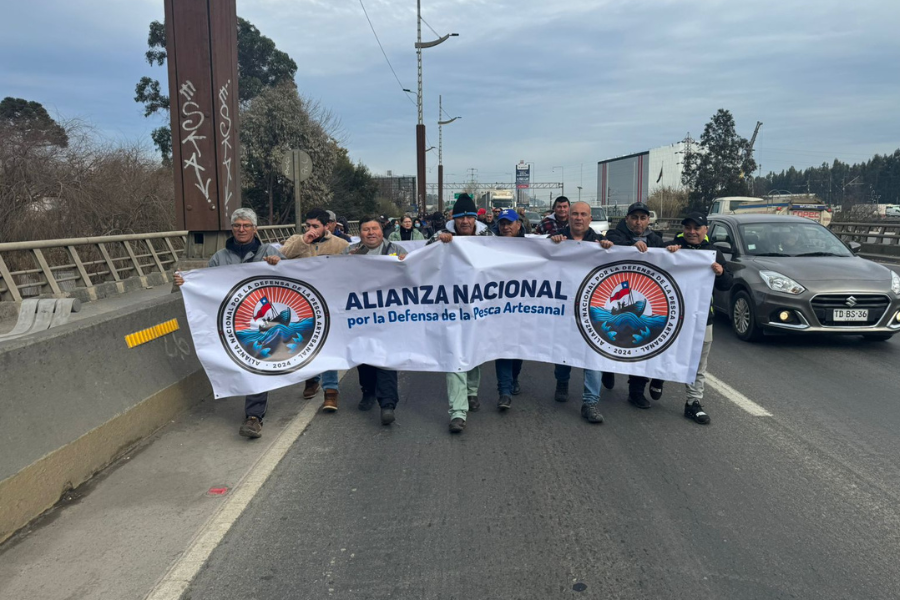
(854, 247)
(725, 247)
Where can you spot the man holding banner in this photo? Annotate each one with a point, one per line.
(462, 388)
(579, 229)
(317, 241)
(634, 230)
(244, 247)
(376, 383)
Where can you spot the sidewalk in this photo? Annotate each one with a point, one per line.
(115, 536)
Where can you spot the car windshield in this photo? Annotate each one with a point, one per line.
(791, 239)
(598, 214)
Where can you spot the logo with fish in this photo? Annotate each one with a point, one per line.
(273, 326)
(629, 311)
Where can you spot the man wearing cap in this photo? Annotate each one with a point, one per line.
(557, 221)
(508, 369)
(317, 241)
(462, 388)
(693, 237)
(333, 229)
(376, 383)
(579, 229)
(634, 230)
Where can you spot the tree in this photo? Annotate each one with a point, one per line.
(272, 123)
(355, 190)
(27, 122)
(718, 167)
(260, 66)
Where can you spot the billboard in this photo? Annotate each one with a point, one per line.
(523, 176)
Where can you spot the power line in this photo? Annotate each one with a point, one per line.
(365, 12)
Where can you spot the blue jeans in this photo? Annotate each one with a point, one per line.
(591, 392)
(508, 370)
(329, 380)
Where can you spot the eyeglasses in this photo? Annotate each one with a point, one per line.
(242, 225)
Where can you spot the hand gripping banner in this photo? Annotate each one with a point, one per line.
(451, 307)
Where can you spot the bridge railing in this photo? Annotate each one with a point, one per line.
(59, 267)
(879, 240)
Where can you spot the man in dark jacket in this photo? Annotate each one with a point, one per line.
(508, 369)
(634, 230)
(693, 237)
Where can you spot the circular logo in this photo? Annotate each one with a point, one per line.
(629, 311)
(272, 326)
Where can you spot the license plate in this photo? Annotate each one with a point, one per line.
(842, 314)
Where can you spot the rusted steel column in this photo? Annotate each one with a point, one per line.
(201, 48)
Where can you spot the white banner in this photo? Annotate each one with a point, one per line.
(451, 307)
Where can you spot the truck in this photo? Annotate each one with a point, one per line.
(497, 199)
(795, 204)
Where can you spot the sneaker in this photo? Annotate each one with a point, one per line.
(656, 387)
(695, 412)
(252, 428)
(562, 391)
(504, 402)
(331, 401)
(591, 412)
(311, 388)
(609, 380)
(474, 404)
(457, 425)
(517, 389)
(387, 415)
(367, 402)
(639, 400)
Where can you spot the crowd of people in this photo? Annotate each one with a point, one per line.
(379, 236)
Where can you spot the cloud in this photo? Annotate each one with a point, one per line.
(555, 83)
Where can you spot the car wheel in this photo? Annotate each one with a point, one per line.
(877, 337)
(743, 318)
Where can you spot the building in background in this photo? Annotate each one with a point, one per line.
(633, 178)
(399, 189)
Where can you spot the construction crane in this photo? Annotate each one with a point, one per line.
(750, 148)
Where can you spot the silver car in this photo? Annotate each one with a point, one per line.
(791, 275)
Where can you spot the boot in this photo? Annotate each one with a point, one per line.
(331, 401)
(312, 386)
(562, 391)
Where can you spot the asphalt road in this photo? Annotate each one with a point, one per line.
(536, 503)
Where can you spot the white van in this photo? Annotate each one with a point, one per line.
(599, 220)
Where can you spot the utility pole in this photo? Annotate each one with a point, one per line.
(441, 152)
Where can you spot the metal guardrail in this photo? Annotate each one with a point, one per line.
(879, 240)
(57, 267)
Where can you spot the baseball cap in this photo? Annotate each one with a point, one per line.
(639, 206)
(695, 217)
(481, 211)
(509, 214)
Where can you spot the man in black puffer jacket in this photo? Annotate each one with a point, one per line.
(634, 230)
(694, 237)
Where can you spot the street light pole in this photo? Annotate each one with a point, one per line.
(441, 153)
(420, 126)
(563, 187)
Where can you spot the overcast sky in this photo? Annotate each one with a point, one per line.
(558, 84)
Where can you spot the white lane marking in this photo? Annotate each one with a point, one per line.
(174, 583)
(735, 396)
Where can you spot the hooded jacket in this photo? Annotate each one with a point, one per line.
(622, 236)
(326, 245)
(723, 281)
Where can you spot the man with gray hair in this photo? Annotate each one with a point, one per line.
(244, 247)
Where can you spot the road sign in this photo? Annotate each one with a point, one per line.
(297, 166)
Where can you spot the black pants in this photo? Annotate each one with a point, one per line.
(255, 405)
(637, 384)
(381, 382)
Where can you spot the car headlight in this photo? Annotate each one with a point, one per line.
(895, 283)
(781, 283)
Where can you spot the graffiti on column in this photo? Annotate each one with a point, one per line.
(225, 134)
(192, 119)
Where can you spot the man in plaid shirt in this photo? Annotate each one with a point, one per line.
(555, 223)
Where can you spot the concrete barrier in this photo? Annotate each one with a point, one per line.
(76, 396)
